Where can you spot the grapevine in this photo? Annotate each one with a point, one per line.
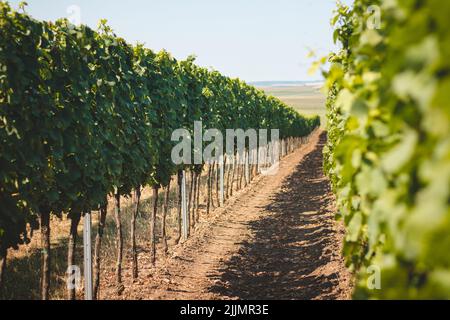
(84, 115)
(388, 153)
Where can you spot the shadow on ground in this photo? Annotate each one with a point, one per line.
(290, 254)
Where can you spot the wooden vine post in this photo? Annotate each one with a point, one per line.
(184, 212)
(221, 178)
(87, 246)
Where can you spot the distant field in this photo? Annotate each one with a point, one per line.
(308, 100)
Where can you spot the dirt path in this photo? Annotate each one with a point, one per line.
(276, 239)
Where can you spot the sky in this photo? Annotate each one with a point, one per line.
(255, 40)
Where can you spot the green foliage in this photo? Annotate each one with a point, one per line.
(388, 153)
(83, 114)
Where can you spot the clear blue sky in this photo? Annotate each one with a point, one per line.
(255, 40)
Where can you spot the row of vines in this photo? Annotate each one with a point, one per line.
(85, 115)
(388, 153)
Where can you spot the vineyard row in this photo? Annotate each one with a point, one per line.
(84, 115)
(388, 152)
